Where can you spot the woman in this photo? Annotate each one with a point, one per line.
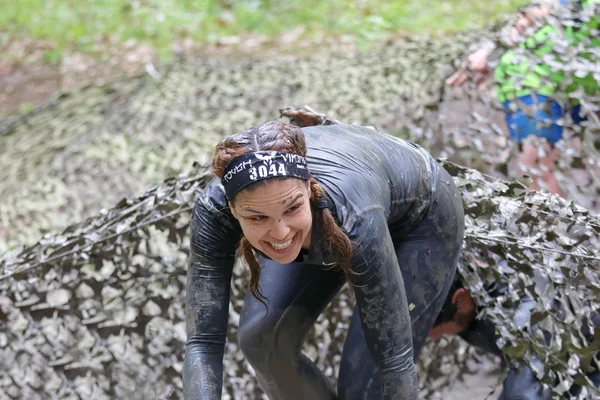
(525, 88)
(311, 208)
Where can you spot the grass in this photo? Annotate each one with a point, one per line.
(79, 24)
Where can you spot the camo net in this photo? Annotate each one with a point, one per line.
(98, 310)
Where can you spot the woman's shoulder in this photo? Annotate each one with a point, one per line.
(353, 211)
(215, 232)
(212, 198)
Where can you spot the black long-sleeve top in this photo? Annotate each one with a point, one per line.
(379, 187)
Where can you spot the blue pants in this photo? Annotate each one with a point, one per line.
(540, 118)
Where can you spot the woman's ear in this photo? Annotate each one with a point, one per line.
(233, 212)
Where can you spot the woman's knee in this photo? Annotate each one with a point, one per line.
(254, 340)
(263, 339)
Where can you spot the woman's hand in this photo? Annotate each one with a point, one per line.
(475, 66)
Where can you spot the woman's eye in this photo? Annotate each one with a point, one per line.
(292, 209)
(258, 218)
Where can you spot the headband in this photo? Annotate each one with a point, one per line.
(252, 167)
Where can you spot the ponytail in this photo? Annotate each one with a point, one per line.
(340, 245)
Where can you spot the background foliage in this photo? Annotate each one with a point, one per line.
(82, 24)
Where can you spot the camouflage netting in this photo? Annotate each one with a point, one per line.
(98, 310)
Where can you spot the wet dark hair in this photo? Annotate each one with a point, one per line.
(285, 138)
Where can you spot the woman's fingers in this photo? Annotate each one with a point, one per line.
(461, 76)
(458, 78)
(452, 79)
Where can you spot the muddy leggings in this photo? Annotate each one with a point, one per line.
(297, 293)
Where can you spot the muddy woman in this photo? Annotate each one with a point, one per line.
(313, 209)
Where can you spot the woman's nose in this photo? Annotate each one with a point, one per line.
(280, 230)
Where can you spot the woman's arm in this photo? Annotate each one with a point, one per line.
(384, 312)
(207, 311)
(214, 238)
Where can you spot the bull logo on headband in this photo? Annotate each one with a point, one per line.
(266, 156)
(269, 169)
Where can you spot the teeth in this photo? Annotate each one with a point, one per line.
(282, 246)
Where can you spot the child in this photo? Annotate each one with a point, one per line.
(525, 86)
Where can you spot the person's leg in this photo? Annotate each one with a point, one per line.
(428, 257)
(271, 340)
(530, 158)
(523, 385)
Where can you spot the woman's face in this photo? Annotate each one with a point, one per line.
(276, 218)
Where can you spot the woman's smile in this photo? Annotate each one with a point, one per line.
(277, 219)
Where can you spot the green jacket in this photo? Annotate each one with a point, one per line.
(539, 78)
